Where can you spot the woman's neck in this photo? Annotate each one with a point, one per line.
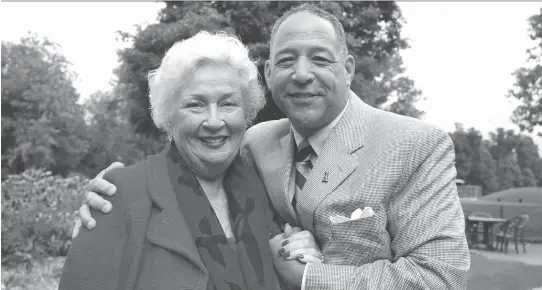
(213, 188)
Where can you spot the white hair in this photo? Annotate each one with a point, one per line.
(185, 57)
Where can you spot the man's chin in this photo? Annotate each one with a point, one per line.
(306, 126)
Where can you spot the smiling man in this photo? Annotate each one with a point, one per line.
(335, 156)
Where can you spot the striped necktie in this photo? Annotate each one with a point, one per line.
(303, 166)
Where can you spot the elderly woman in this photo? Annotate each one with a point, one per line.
(195, 216)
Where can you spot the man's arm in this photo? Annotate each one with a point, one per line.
(426, 227)
(95, 257)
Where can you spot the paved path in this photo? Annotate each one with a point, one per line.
(499, 271)
(532, 257)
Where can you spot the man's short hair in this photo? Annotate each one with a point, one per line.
(305, 7)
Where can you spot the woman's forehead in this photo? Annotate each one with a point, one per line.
(217, 81)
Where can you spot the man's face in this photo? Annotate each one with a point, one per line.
(307, 76)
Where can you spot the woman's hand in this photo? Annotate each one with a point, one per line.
(97, 186)
(298, 244)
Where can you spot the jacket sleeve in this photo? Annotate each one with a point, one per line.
(273, 220)
(95, 256)
(426, 227)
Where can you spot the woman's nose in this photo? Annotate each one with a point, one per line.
(214, 119)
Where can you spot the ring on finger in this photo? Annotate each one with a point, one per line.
(320, 256)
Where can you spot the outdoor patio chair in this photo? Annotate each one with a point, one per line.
(513, 228)
(475, 233)
(468, 229)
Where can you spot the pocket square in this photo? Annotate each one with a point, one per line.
(356, 215)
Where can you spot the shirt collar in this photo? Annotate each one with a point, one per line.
(318, 139)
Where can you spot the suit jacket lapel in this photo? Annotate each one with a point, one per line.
(287, 153)
(336, 161)
(168, 228)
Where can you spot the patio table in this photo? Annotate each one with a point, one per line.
(487, 224)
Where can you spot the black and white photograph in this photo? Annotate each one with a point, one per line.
(273, 145)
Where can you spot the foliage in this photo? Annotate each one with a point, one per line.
(518, 161)
(42, 125)
(43, 275)
(38, 212)
(474, 163)
(374, 39)
(528, 86)
(111, 136)
(506, 160)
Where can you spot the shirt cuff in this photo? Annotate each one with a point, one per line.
(304, 275)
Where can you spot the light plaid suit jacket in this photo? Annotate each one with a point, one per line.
(403, 169)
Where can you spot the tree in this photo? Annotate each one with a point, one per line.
(483, 170)
(374, 39)
(517, 158)
(474, 163)
(111, 136)
(42, 125)
(463, 152)
(529, 161)
(509, 173)
(506, 160)
(528, 85)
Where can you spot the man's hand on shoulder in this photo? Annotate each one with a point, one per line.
(97, 186)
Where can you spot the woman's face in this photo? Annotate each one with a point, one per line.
(208, 123)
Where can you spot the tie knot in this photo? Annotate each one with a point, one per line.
(303, 151)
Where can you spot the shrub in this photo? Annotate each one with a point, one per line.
(39, 212)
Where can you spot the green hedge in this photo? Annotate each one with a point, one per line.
(39, 212)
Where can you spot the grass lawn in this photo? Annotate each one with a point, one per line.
(485, 274)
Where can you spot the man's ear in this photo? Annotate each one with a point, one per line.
(267, 71)
(350, 66)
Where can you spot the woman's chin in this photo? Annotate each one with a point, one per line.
(217, 162)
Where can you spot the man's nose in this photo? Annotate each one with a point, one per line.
(303, 72)
(214, 120)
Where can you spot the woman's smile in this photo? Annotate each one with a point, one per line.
(214, 141)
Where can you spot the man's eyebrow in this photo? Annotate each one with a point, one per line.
(314, 49)
(285, 50)
(320, 49)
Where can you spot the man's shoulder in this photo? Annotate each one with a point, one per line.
(268, 130)
(399, 125)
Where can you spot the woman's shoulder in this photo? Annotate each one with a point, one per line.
(242, 165)
(130, 181)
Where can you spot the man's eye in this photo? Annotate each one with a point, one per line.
(321, 59)
(284, 61)
(192, 105)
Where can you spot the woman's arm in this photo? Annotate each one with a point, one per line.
(95, 257)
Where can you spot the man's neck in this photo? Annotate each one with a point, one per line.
(306, 132)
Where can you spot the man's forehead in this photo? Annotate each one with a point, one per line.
(305, 26)
(305, 22)
(314, 41)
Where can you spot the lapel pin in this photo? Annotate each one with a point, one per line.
(325, 177)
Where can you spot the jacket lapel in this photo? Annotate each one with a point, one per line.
(168, 228)
(287, 194)
(335, 163)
